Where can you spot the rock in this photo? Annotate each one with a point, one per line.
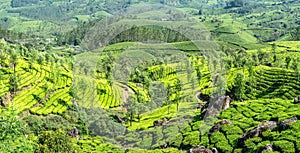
(200, 149)
(283, 125)
(160, 123)
(157, 123)
(74, 133)
(214, 150)
(268, 147)
(269, 125)
(218, 126)
(227, 102)
(6, 99)
(74, 102)
(297, 100)
(215, 106)
(197, 106)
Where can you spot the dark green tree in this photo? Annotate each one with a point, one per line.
(239, 86)
(55, 141)
(12, 133)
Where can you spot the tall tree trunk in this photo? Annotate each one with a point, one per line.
(131, 119)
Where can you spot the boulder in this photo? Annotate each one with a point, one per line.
(283, 125)
(200, 149)
(197, 106)
(297, 100)
(269, 125)
(214, 150)
(74, 133)
(268, 147)
(215, 106)
(218, 126)
(157, 123)
(227, 102)
(160, 123)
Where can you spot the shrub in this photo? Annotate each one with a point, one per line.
(204, 141)
(196, 125)
(55, 141)
(262, 145)
(233, 139)
(217, 137)
(298, 145)
(268, 135)
(192, 139)
(231, 129)
(146, 142)
(223, 146)
(238, 150)
(284, 146)
(250, 144)
(177, 141)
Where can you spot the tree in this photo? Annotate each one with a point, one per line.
(200, 12)
(178, 87)
(220, 86)
(239, 86)
(235, 3)
(296, 67)
(13, 84)
(296, 34)
(288, 61)
(106, 66)
(255, 59)
(12, 133)
(198, 73)
(169, 94)
(132, 106)
(55, 141)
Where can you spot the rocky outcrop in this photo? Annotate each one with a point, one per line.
(266, 148)
(297, 100)
(6, 99)
(269, 125)
(74, 133)
(227, 102)
(218, 126)
(197, 106)
(160, 123)
(215, 106)
(200, 149)
(283, 125)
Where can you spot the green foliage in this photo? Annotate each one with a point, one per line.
(42, 87)
(218, 137)
(55, 141)
(192, 139)
(239, 86)
(284, 146)
(13, 134)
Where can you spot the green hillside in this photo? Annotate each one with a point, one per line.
(149, 76)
